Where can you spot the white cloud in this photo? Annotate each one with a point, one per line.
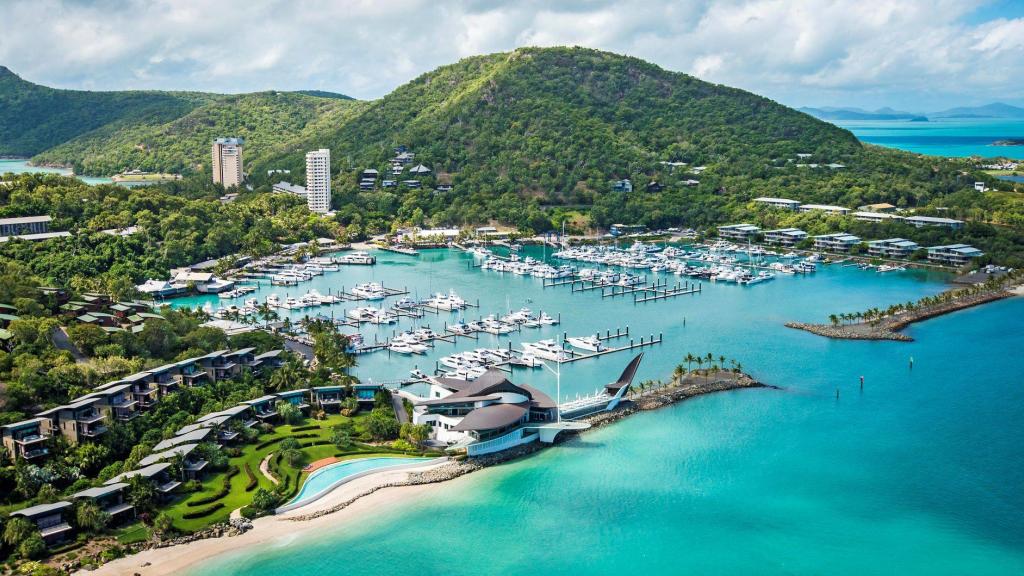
(900, 52)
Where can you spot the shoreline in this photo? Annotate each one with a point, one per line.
(888, 328)
(368, 495)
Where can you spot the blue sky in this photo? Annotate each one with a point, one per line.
(920, 55)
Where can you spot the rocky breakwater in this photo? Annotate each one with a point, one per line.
(888, 327)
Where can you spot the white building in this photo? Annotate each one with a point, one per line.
(318, 180)
(875, 216)
(920, 221)
(227, 161)
(892, 248)
(283, 187)
(956, 254)
(738, 231)
(779, 202)
(824, 208)
(841, 242)
(784, 236)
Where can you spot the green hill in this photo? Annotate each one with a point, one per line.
(555, 120)
(102, 133)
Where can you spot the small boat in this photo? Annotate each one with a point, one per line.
(400, 347)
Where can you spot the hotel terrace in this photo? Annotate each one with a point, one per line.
(841, 242)
(876, 216)
(892, 248)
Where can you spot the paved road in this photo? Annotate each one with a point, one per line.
(60, 339)
(400, 412)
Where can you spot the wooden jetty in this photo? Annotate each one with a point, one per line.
(633, 345)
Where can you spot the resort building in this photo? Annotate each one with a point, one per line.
(264, 408)
(738, 231)
(624, 229)
(922, 221)
(880, 207)
(110, 499)
(419, 170)
(876, 216)
(289, 188)
(191, 464)
(158, 474)
(25, 225)
(779, 202)
(892, 248)
(227, 161)
(328, 398)
(841, 242)
(784, 236)
(955, 254)
(50, 519)
(26, 439)
(623, 185)
(298, 398)
(116, 401)
(76, 422)
(824, 208)
(318, 181)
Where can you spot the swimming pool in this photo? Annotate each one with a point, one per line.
(330, 477)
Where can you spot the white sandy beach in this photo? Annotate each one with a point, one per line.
(275, 530)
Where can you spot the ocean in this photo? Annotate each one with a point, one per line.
(950, 138)
(918, 473)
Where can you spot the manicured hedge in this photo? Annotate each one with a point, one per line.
(204, 512)
(225, 489)
(272, 441)
(306, 427)
(253, 483)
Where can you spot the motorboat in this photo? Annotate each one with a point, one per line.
(369, 291)
(592, 343)
(544, 349)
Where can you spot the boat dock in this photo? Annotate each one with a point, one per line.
(633, 345)
(400, 250)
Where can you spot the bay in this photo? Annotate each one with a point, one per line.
(919, 473)
(949, 138)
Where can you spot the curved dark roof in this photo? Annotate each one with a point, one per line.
(627, 375)
(539, 399)
(491, 417)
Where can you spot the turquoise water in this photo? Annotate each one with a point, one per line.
(324, 478)
(919, 473)
(21, 166)
(951, 138)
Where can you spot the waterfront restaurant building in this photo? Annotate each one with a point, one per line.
(738, 231)
(482, 409)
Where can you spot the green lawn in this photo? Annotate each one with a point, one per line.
(251, 455)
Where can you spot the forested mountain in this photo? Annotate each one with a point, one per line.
(101, 133)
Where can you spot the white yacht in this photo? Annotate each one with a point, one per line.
(544, 349)
(592, 343)
(369, 291)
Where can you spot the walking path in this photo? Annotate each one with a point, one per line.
(265, 469)
(400, 413)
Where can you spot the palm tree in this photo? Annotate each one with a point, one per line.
(689, 361)
(677, 374)
(721, 362)
(834, 319)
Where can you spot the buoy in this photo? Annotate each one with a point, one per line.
(861, 382)
(911, 362)
(837, 393)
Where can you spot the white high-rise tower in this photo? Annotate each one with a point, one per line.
(318, 180)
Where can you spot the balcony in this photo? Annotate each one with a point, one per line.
(92, 431)
(29, 454)
(89, 417)
(31, 439)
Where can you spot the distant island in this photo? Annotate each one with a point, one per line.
(994, 110)
(1009, 142)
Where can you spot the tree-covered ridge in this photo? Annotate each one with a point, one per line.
(102, 133)
(34, 118)
(265, 119)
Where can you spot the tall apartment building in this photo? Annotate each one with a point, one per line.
(318, 180)
(227, 161)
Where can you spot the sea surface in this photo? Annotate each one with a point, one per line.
(919, 472)
(20, 166)
(949, 138)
